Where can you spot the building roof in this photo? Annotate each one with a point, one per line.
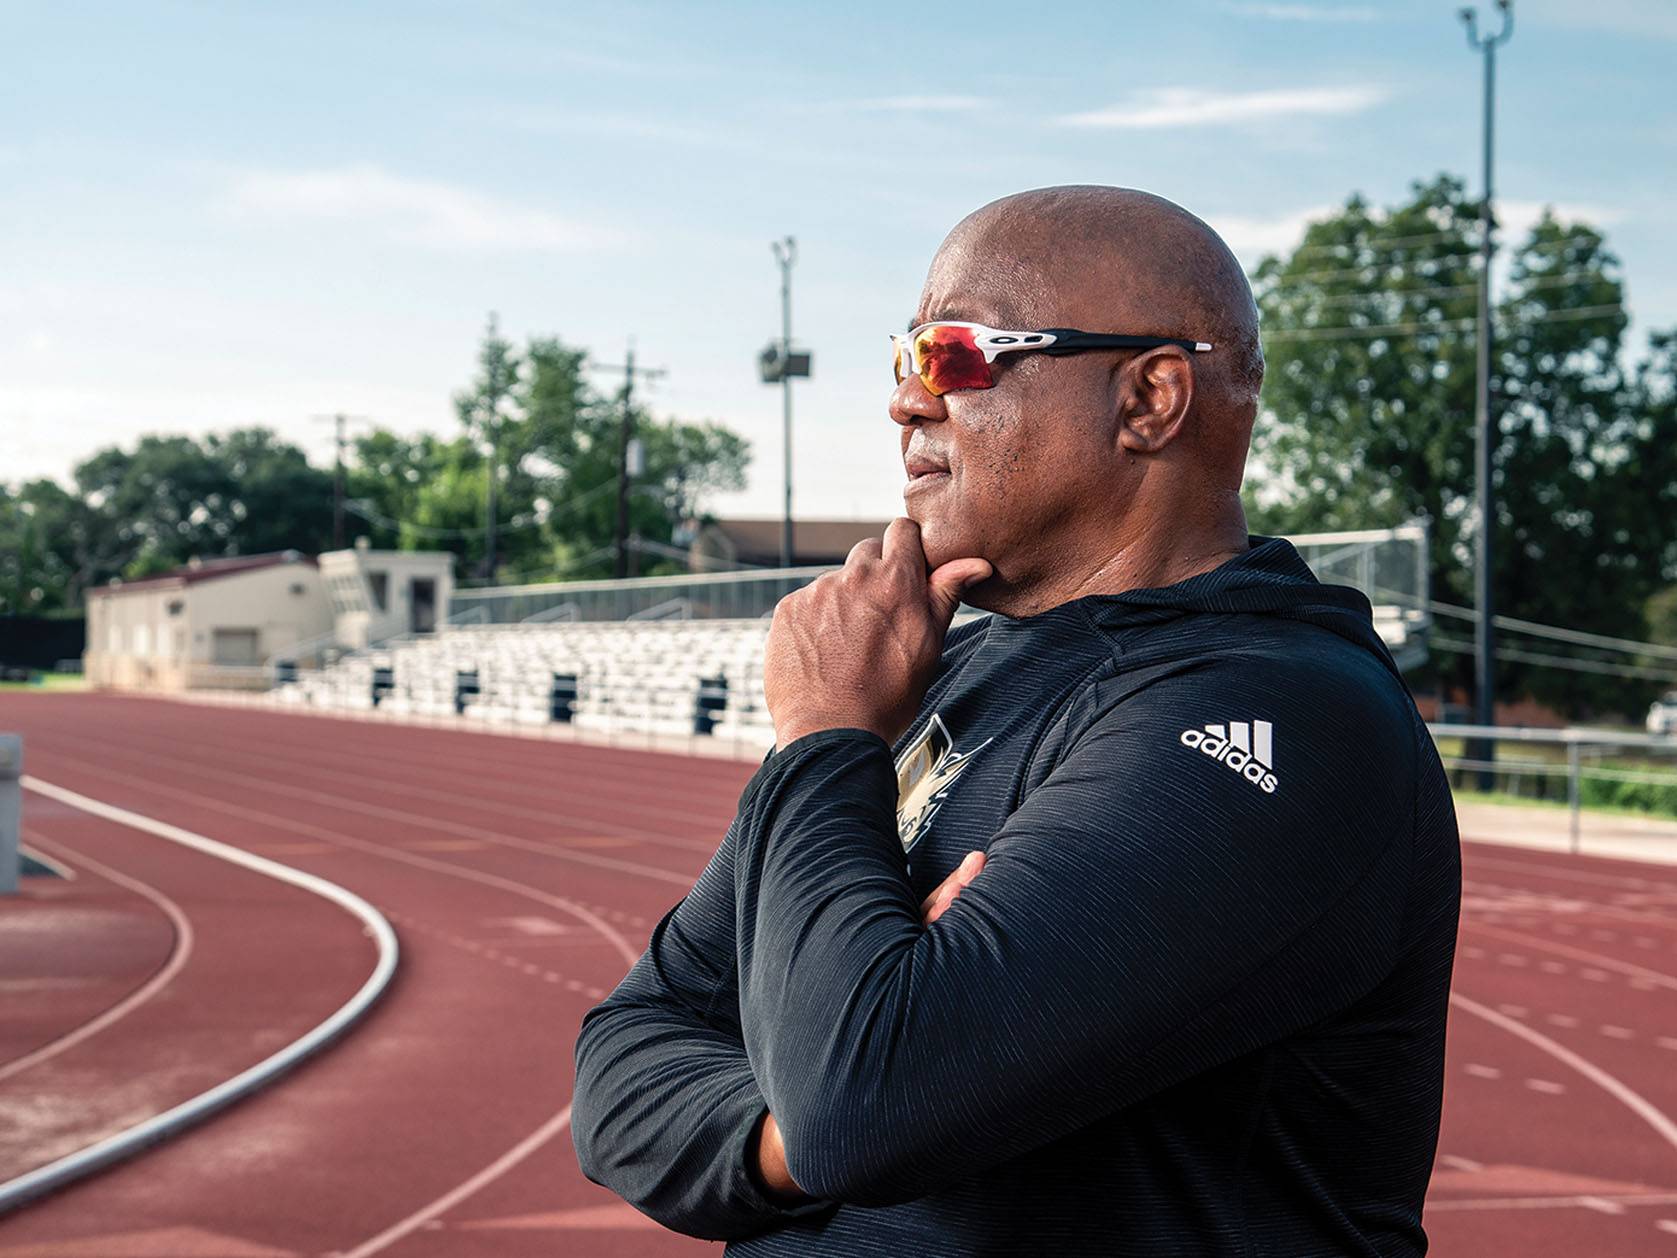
(813, 541)
(200, 570)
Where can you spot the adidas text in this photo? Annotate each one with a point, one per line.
(1230, 747)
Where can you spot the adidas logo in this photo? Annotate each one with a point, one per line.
(1248, 749)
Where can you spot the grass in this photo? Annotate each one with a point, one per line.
(47, 681)
(1507, 799)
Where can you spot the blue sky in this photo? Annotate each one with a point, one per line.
(229, 214)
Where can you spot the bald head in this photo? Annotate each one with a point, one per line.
(1115, 260)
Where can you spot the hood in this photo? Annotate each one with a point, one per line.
(1269, 579)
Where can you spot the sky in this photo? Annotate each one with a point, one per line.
(221, 215)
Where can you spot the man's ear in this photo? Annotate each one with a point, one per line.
(1156, 389)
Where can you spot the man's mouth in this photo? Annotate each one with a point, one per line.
(918, 466)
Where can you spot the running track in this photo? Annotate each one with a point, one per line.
(521, 876)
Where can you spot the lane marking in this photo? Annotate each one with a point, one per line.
(1456, 1163)
(1550, 871)
(1580, 954)
(1482, 1072)
(1602, 1205)
(684, 881)
(145, 991)
(73, 1166)
(1561, 1019)
(1617, 1032)
(1614, 1087)
(1549, 1203)
(1667, 1225)
(1545, 1085)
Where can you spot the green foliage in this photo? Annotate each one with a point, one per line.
(1368, 412)
(145, 510)
(559, 442)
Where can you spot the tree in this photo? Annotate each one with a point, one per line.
(1368, 404)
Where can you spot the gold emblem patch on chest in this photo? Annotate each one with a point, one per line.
(926, 772)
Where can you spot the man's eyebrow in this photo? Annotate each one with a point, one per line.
(951, 316)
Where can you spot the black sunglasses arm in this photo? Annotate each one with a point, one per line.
(1072, 341)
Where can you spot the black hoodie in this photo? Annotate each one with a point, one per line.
(1193, 1005)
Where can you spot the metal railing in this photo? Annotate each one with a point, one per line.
(1578, 767)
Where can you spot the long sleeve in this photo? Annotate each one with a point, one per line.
(1148, 912)
(665, 1100)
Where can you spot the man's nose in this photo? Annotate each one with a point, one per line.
(912, 403)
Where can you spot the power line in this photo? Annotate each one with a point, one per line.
(1603, 642)
(1459, 646)
(1448, 290)
(1354, 331)
(1352, 268)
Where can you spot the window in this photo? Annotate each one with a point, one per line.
(380, 583)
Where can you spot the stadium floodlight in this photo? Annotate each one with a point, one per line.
(1484, 430)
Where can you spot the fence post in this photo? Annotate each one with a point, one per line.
(11, 809)
(1573, 794)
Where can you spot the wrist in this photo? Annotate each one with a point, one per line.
(767, 1162)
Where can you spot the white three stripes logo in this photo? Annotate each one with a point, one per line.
(1257, 739)
(1247, 747)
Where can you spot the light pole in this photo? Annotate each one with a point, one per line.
(778, 364)
(786, 253)
(1484, 641)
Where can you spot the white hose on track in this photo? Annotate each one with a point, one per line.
(96, 1157)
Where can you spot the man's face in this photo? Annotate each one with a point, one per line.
(1027, 459)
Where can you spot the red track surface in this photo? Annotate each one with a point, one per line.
(521, 876)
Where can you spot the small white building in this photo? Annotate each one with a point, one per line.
(212, 623)
(220, 623)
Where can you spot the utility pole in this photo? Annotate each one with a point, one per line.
(340, 423)
(1484, 639)
(786, 253)
(628, 460)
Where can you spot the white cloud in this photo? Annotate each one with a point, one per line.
(420, 210)
(1252, 237)
(1304, 12)
(922, 104)
(1172, 107)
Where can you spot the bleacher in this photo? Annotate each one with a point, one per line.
(586, 656)
(696, 678)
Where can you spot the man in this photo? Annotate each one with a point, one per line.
(1189, 996)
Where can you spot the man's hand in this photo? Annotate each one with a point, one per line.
(770, 1150)
(857, 648)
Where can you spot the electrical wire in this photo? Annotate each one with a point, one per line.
(1353, 331)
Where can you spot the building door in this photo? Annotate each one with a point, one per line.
(236, 646)
(422, 605)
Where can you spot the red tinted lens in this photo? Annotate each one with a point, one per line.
(950, 359)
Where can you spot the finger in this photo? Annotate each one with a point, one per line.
(945, 586)
(902, 545)
(944, 895)
(867, 548)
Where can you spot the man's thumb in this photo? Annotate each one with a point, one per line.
(945, 585)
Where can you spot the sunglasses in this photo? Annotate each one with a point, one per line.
(955, 355)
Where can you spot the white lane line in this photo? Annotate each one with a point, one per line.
(1594, 976)
(1602, 1205)
(1561, 1019)
(1482, 1072)
(495, 837)
(1580, 954)
(1549, 1203)
(1667, 1225)
(58, 868)
(157, 982)
(1456, 1163)
(1511, 958)
(1617, 1032)
(1666, 1041)
(1546, 1086)
(1514, 1011)
(1552, 967)
(454, 1196)
(124, 1144)
(1616, 1088)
